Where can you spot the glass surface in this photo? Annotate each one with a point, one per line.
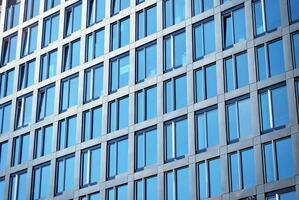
(151, 103)
(272, 9)
(215, 177)
(234, 172)
(168, 14)
(69, 173)
(124, 68)
(151, 60)
(112, 160)
(183, 184)
(229, 75)
(209, 35)
(112, 116)
(77, 17)
(211, 81)
(239, 25)
(201, 132)
(48, 140)
(140, 105)
(280, 106)
(167, 54)
(269, 163)
(248, 168)
(151, 149)
(179, 49)
(141, 25)
(123, 112)
(73, 93)
(151, 24)
(244, 114)
(25, 149)
(169, 185)
(140, 151)
(122, 156)
(122, 192)
(265, 113)
(212, 128)
(99, 43)
(199, 85)
(50, 101)
(198, 40)
(169, 139)
(6, 118)
(168, 96)
(27, 110)
(288, 195)
(22, 185)
(296, 49)
(276, 61)
(140, 65)
(97, 122)
(181, 131)
(2, 188)
(124, 32)
(151, 188)
(202, 184)
(3, 155)
(228, 31)
(261, 62)
(284, 158)
(258, 17)
(71, 129)
(98, 82)
(242, 70)
(32, 39)
(294, 5)
(178, 11)
(95, 168)
(180, 92)
(75, 53)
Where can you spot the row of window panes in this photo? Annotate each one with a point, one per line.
(234, 31)
(241, 169)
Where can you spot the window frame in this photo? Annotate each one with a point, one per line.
(44, 90)
(23, 76)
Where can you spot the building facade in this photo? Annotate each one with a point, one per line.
(149, 99)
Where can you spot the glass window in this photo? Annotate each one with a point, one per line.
(284, 194)
(41, 177)
(147, 188)
(48, 65)
(276, 155)
(118, 114)
(207, 129)
(241, 167)
(176, 139)
(46, 97)
(51, 4)
(274, 112)
(29, 39)
(93, 83)
(119, 72)
(118, 193)
(90, 166)
(50, 29)
(71, 55)
(69, 93)
(119, 5)
(12, 14)
(93, 196)
(200, 6)
(204, 38)
(146, 104)
(9, 46)
(238, 112)
(67, 132)
(120, 34)
(18, 185)
(293, 9)
(270, 61)
(117, 157)
(23, 111)
(146, 61)
(209, 178)
(146, 22)
(20, 150)
(177, 183)
(174, 50)
(31, 9)
(174, 12)
(234, 27)
(92, 124)
(296, 49)
(266, 15)
(72, 19)
(6, 83)
(205, 83)
(5, 117)
(26, 74)
(65, 174)
(94, 45)
(175, 93)
(95, 11)
(146, 148)
(3, 155)
(236, 71)
(43, 141)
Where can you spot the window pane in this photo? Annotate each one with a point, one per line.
(202, 181)
(266, 124)
(229, 75)
(124, 32)
(169, 139)
(169, 190)
(181, 129)
(261, 62)
(151, 103)
(284, 155)
(122, 192)
(211, 83)
(123, 112)
(3, 155)
(280, 106)
(212, 128)
(214, 177)
(276, 61)
(198, 34)
(151, 188)
(244, 114)
(296, 49)
(180, 92)
(228, 31)
(124, 68)
(151, 60)
(239, 25)
(183, 184)
(179, 11)
(140, 151)
(151, 147)
(73, 95)
(272, 8)
(268, 156)
(95, 168)
(151, 21)
(209, 35)
(168, 96)
(122, 156)
(112, 160)
(242, 70)
(199, 85)
(179, 48)
(201, 132)
(235, 185)
(248, 167)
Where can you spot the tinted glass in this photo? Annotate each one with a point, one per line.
(209, 35)
(151, 188)
(183, 184)
(211, 83)
(244, 117)
(122, 156)
(276, 61)
(239, 25)
(242, 70)
(214, 177)
(212, 128)
(180, 92)
(248, 167)
(235, 185)
(272, 14)
(123, 112)
(296, 49)
(179, 49)
(268, 156)
(284, 155)
(280, 106)
(181, 128)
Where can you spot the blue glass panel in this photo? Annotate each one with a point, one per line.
(84, 163)
(179, 49)
(212, 128)
(207, 5)
(245, 118)
(276, 61)
(215, 177)
(22, 186)
(123, 112)
(50, 101)
(180, 92)
(95, 168)
(183, 184)
(168, 13)
(73, 93)
(124, 68)
(100, 10)
(6, 118)
(62, 134)
(198, 34)
(139, 192)
(60, 176)
(202, 188)
(112, 115)
(37, 177)
(45, 181)
(2, 188)
(140, 65)
(86, 126)
(54, 28)
(98, 82)
(288, 195)
(69, 173)
(261, 62)
(3, 155)
(239, 25)
(234, 172)
(228, 31)
(168, 96)
(31, 69)
(115, 38)
(151, 103)
(27, 110)
(296, 49)
(77, 17)
(125, 32)
(209, 36)
(169, 139)
(99, 43)
(122, 192)
(140, 32)
(97, 122)
(140, 151)
(266, 124)
(151, 188)
(181, 130)
(211, 81)
(258, 16)
(122, 156)
(248, 167)
(72, 124)
(114, 75)
(48, 140)
(151, 60)
(272, 8)
(201, 132)
(151, 25)
(25, 148)
(229, 75)
(196, 7)
(151, 150)
(199, 86)
(112, 160)
(268, 156)
(242, 70)
(52, 63)
(32, 39)
(10, 79)
(280, 106)
(179, 11)
(284, 158)
(75, 54)
(167, 52)
(294, 5)
(169, 186)
(140, 106)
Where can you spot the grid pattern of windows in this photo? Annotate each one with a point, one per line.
(141, 99)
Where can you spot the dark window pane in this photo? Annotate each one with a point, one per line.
(276, 61)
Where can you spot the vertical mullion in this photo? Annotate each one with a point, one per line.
(240, 171)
